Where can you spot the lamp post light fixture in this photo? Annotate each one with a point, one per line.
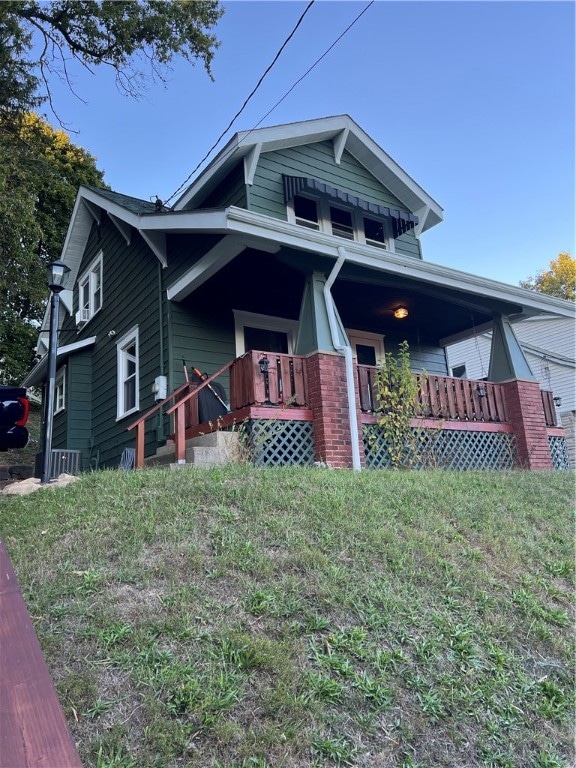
(57, 276)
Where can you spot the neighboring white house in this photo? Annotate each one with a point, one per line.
(549, 345)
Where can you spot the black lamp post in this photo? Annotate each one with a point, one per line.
(57, 275)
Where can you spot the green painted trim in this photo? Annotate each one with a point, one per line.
(507, 360)
(313, 325)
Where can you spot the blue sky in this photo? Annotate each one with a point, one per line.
(475, 100)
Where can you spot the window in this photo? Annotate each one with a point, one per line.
(90, 292)
(128, 374)
(374, 233)
(459, 371)
(348, 223)
(60, 391)
(264, 332)
(306, 212)
(341, 223)
(368, 347)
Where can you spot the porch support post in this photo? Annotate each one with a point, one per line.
(313, 324)
(328, 400)
(507, 360)
(525, 412)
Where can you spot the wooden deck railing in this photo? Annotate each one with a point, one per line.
(279, 381)
(268, 378)
(442, 397)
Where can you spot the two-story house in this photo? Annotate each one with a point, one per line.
(293, 262)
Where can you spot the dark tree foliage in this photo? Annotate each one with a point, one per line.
(40, 172)
(40, 169)
(122, 35)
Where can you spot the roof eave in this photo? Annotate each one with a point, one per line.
(356, 141)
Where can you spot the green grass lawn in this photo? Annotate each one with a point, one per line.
(243, 618)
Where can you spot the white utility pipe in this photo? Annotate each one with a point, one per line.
(347, 352)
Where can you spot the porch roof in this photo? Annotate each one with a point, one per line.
(248, 229)
(38, 374)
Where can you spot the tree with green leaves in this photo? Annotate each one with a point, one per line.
(40, 172)
(38, 40)
(559, 280)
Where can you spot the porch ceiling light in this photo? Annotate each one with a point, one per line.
(401, 313)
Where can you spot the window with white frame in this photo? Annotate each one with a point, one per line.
(128, 374)
(60, 391)
(348, 223)
(264, 332)
(90, 291)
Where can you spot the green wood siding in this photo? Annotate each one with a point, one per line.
(317, 161)
(230, 191)
(130, 299)
(184, 251)
(205, 341)
(72, 426)
(424, 353)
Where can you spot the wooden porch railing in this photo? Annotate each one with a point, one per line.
(549, 408)
(256, 378)
(442, 397)
(268, 378)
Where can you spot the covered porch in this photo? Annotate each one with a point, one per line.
(294, 327)
(465, 423)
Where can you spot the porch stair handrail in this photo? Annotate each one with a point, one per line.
(140, 423)
(180, 418)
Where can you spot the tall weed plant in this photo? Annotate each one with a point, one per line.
(397, 390)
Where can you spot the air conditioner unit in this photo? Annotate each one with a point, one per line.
(82, 317)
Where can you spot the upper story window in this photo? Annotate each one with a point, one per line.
(347, 223)
(306, 212)
(341, 222)
(374, 232)
(90, 291)
(314, 204)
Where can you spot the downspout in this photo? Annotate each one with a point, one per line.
(347, 352)
(160, 418)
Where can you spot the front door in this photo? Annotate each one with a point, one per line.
(367, 347)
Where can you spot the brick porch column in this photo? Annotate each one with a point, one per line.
(526, 414)
(327, 396)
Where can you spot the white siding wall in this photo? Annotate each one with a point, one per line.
(549, 344)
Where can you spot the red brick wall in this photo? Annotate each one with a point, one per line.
(327, 396)
(526, 414)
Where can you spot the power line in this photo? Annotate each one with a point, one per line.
(318, 60)
(237, 115)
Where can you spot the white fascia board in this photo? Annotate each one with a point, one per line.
(38, 373)
(185, 221)
(298, 237)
